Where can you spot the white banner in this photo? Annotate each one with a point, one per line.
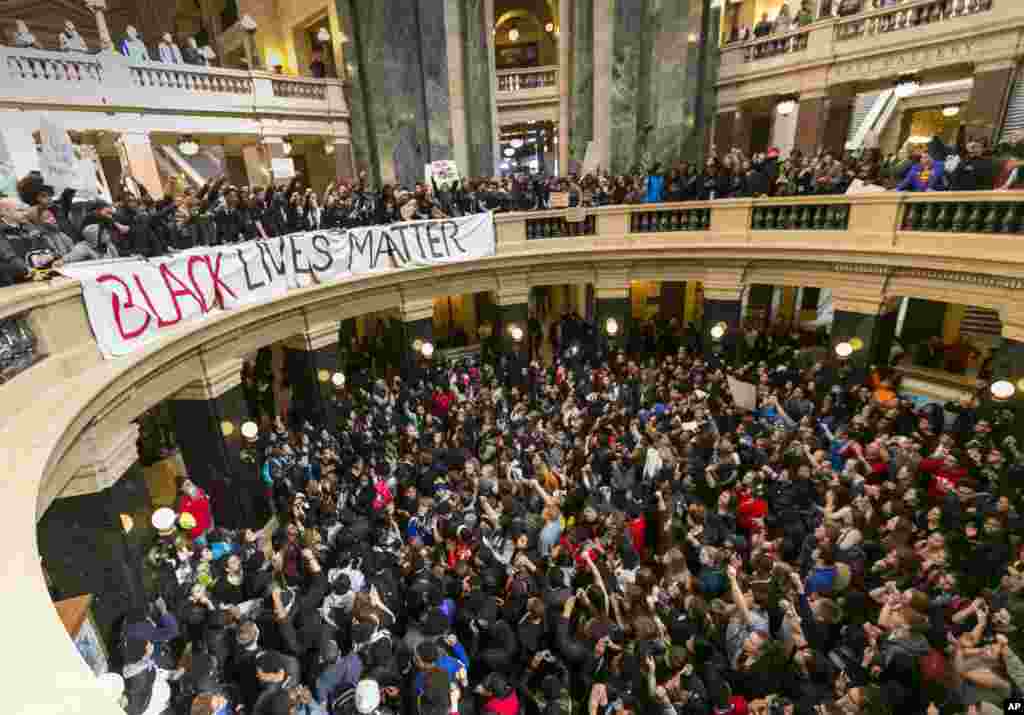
(133, 301)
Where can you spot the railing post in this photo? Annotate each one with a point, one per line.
(510, 235)
(731, 219)
(262, 90)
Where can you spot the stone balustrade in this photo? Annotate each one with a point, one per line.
(109, 82)
(905, 16)
(781, 44)
(526, 80)
(870, 45)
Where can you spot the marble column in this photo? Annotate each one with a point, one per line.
(309, 358)
(742, 128)
(723, 289)
(724, 136)
(989, 95)
(565, 35)
(97, 7)
(344, 160)
(837, 122)
(489, 21)
(400, 97)
(141, 163)
(604, 53)
(210, 449)
(456, 82)
(582, 110)
(811, 119)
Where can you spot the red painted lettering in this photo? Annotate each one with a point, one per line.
(219, 286)
(182, 290)
(116, 305)
(160, 322)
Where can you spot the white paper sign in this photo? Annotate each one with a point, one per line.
(131, 302)
(58, 160)
(442, 171)
(282, 168)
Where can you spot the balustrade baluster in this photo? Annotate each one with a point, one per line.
(771, 219)
(785, 217)
(974, 221)
(960, 218)
(1011, 219)
(992, 218)
(800, 217)
(835, 217)
(929, 217)
(677, 220)
(909, 217)
(945, 217)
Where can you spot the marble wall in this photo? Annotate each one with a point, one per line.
(477, 88)
(582, 102)
(655, 81)
(400, 99)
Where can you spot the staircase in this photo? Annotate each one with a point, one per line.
(861, 109)
(876, 113)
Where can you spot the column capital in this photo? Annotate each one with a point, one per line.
(218, 380)
(414, 309)
(513, 289)
(612, 282)
(723, 282)
(109, 456)
(316, 338)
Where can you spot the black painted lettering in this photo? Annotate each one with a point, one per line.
(322, 246)
(249, 284)
(434, 239)
(450, 231)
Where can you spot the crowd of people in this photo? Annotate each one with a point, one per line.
(607, 533)
(39, 231)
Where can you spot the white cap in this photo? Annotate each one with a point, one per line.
(367, 696)
(164, 518)
(112, 685)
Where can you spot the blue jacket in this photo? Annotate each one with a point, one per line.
(451, 665)
(655, 186)
(912, 181)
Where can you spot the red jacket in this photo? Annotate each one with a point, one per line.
(944, 477)
(749, 508)
(199, 507)
(441, 401)
(508, 705)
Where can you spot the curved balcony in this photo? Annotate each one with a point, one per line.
(863, 247)
(104, 82)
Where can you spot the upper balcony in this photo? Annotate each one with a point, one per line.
(875, 44)
(107, 82)
(528, 85)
